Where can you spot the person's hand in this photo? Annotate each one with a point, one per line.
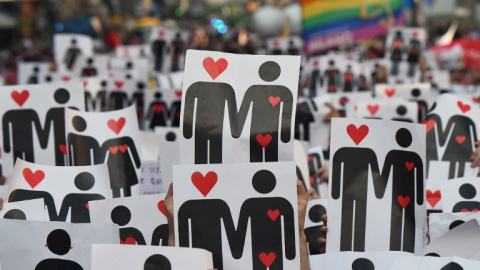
(302, 204)
(322, 174)
(312, 193)
(322, 240)
(1, 203)
(169, 209)
(333, 113)
(476, 156)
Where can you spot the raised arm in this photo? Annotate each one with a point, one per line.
(289, 229)
(188, 111)
(62, 216)
(6, 133)
(419, 179)
(287, 101)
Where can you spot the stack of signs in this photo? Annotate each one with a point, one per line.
(369, 180)
(390, 109)
(68, 49)
(168, 49)
(342, 75)
(91, 66)
(242, 173)
(285, 46)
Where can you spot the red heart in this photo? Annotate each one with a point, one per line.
(204, 184)
(273, 214)
(464, 210)
(433, 197)
(310, 158)
(66, 78)
(460, 139)
(113, 149)
(116, 126)
(475, 99)
(475, 210)
(373, 108)
(118, 84)
(158, 108)
(264, 140)
(178, 93)
(20, 98)
(357, 134)
(430, 124)
(213, 68)
(274, 100)
(85, 83)
(267, 260)
(390, 92)
(403, 201)
(126, 51)
(312, 180)
(33, 178)
(63, 148)
(123, 148)
(128, 241)
(409, 165)
(161, 207)
(161, 33)
(463, 107)
(87, 206)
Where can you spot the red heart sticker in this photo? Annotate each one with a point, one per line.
(430, 124)
(310, 158)
(460, 139)
(463, 107)
(390, 92)
(267, 259)
(161, 207)
(433, 197)
(214, 69)
(128, 241)
(85, 83)
(113, 149)
(161, 33)
(264, 140)
(33, 178)
(273, 215)
(373, 109)
(409, 165)
(204, 184)
(312, 180)
(357, 134)
(118, 84)
(123, 148)
(116, 126)
(66, 78)
(178, 93)
(158, 108)
(274, 100)
(21, 97)
(63, 148)
(403, 201)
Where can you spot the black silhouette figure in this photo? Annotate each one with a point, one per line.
(59, 243)
(354, 197)
(206, 217)
(406, 168)
(89, 70)
(174, 113)
(77, 203)
(121, 216)
(138, 98)
(422, 104)
(362, 83)
(89, 101)
(159, 50)
(210, 109)
(434, 135)
(303, 118)
(157, 262)
(314, 164)
(452, 266)
(413, 50)
(265, 217)
(82, 150)
(157, 114)
(72, 54)
(267, 118)
(315, 82)
(121, 168)
(19, 195)
(118, 100)
(348, 80)
(15, 214)
(313, 233)
(160, 234)
(102, 97)
(292, 50)
(363, 264)
(20, 136)
(56, 117)
(332, 77)
(467, 191)
(33, 79)
(401, 111)
(178, 47)
(396, 52)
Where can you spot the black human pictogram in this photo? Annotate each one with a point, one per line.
(82, 150)
(332, 77)
(33, 79)
(434, 134)
(19, 195)
(314, 164)
(77, 203)
(121, 216)
(348, 80)
(413, 50)
(267, 118)
(406, 168)
(138, 98)
(396, 50)
(315, 82)
(102, 97)
(157, 262)
(363, 264)
(159, 51)
(59, 243)
(303, 117)
(118, 99)
(160, 234)
(15, 214)
(89, 70)
(157, 115)
(313, 233)
(71, 54)
(362, 83)
(121, 168)
(178, 47)
(174, 113)
(468, 192)
(292, 50)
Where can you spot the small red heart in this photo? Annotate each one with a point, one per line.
(390, 92)
(21, 97)
(178, 93)
(161, 207)
(33, 178)
(403, 201)
(357, 134)
(430, 124)
(475, 210)
(66, 78)
(373, 108)
(264, 140)
(158, 108)
(126, 51)
(85, 83)
(204, 184)
(464, 210)
(274, 100)
(475, 99)
(463, 107)
(161, 33)
(409, 165)
(214, 69)
(267, 260)
(63, 148)
(123, 148)
(128, 241)
(273, 215)
(116, 126)
(433, 197)
(312, 180)
(460, 139)
(310, 158)
(113, 149)
(87, 206)
(118, 84)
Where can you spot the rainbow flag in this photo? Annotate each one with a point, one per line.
(331, 23)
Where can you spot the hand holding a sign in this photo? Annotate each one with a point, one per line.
(476, 155)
